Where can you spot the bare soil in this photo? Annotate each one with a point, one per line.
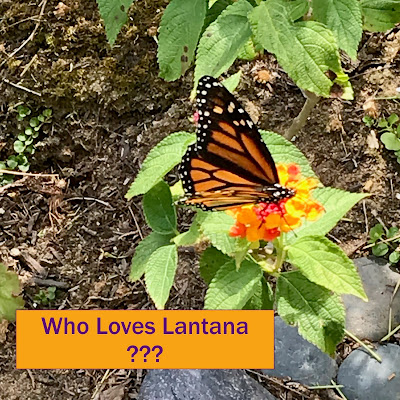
(110, 107)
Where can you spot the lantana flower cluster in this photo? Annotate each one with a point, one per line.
(266, 221)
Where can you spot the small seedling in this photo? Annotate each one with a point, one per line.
(24, 145)
(46, 296)
(385, 241)
(390, 132)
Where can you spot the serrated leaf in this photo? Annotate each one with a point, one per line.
(297, 8)
(325, 264)
(231, 289)
(286, 152)
(114, 15)
(306, 50)
(143, 252)
(9, 290)
(215, 10)
(336, 203)
(211, 261)
(319, 314)
(391, 141)
(232, 82)
(263, 297)
(222, 41)
(180, 30)
(160, 274)
(380, 15)
(215, 226)
(160, 160)
(343, 18)
(158, 209)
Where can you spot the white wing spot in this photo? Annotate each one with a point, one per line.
(206, 113)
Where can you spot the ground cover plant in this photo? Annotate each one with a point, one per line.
(110, 107)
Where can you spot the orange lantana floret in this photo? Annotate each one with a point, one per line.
(266, 221)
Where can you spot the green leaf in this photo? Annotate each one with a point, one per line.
(160, 160)
(34, 122)
(19, 146)
(376, 233)
(392, 232)
(393, 118)
(180, 30)
(325, 264)
(307, 50)
(143, 252)
(284, 151)
(380, 15)
(380, 249)
(190, 237)
(297, 8)
(160, 274)
(9, 291)
(319, 314)
(394, 257)
(24, 168)
(263, 297)
(368, 120)
(215, 226)
(231, 289)
(158, 209)
(336, 203)
(47, 112)
(222, 40)
(114, 15)
(21, 137)
(232, 82)
(248, 51)
(343, 18)
(211, 261)
(391, 141)
(215, 10)
(12, 163)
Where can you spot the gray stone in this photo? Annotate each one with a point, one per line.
(201, 384)
(299, 359)
(370, 320)
(364, 378)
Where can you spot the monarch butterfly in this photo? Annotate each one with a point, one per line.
(229, 165)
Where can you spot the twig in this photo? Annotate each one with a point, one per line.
(11, 172)
(326, 387)
(137, 225)
(27, 66)
(16, 85)
(299, 122)
(382, 241)
(390, 334)
(338, 389)
(360, 342)
(104, 203)
(50, 282)
(32, 35)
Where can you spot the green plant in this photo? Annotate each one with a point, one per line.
(390, 132)
(302, 274)
(46, 296)
(305, 36)
(24, 145)
(9, 294)
(385, 242)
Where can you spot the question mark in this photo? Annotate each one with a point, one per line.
(134, 353)
(146, 354)
(159, 352)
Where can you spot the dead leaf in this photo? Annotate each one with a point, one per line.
(113, 393)
(372, 140)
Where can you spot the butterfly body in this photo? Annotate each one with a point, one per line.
(229, 165)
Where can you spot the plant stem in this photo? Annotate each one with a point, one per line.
(370, 351)
(280, 252)
(299, 122)
(390, 334)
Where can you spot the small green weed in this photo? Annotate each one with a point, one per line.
(390, 132)
(24, 145)
(46, 296)
(385, 242)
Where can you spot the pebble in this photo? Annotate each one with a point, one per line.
(201, 384)
(364, 378)
(299, 359)
(370, 320)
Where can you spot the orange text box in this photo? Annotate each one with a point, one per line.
(145, 339)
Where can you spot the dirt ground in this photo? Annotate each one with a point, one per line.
(110, 107)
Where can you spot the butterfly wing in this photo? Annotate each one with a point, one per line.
(229, 165)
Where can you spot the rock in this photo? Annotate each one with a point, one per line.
(201, 384)
(299, 359)
(370, 320)
(364, 378)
